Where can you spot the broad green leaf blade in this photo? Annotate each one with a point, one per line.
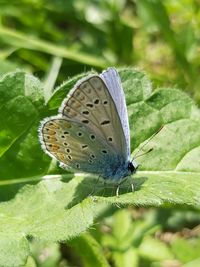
(21, 106)
(169, 175)
(44, 211)
(14, 249)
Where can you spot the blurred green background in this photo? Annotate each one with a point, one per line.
(160, 37)
(57, 39)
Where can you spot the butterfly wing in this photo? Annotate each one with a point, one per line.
(75, 146)
(88, 133)
(113, 82)
(91, 104)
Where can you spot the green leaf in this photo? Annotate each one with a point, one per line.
(30, 263)
(186, 250)
(44, 211)
(14, 249)
(21, 106)
(148, 9)
(121, 239)
(21, 40)
(193, 263)
(155, 250)
(55, 210)
(45, 254)
(89, 251)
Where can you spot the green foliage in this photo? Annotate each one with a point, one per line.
(57, 40)
(101, 33)
(89, 250)
(54, 210)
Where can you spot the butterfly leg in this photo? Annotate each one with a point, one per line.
(132, 187)
(131, 184)
(94, 187)
(117, 190)
(104, 188)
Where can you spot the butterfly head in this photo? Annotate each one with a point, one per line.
(132, 167)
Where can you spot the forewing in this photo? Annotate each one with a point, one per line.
(113, 83)
(90, 103)
(76, 146)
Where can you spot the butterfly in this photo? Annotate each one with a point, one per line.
(91, 132)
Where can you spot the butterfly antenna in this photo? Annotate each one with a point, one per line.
(140, 155)
(153, 135)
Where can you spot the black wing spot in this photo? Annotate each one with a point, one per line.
(85, 112)
(62, 136)
(92, 136)
(105, 122)
(85, 121)
(90, 161)
(96, 101)
(84, 146)
(92, 156)
(110, 139)
(66, 132)
(68, 150)
(80, 134)
(89, 105)
(65, 144)
(105, 102)
(104, 151)
(69, 157)
(47, 136)
(47, 129)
